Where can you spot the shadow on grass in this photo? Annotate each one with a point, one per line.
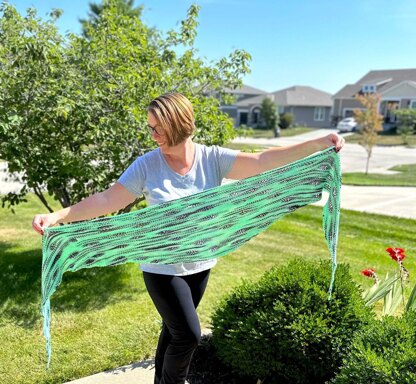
(81, 291)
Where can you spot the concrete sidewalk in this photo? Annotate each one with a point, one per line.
(137, 373)
(353, 156)
(390, 201)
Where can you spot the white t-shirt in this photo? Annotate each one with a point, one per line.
(152, 176)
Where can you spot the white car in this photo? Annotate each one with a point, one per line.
(347, 125)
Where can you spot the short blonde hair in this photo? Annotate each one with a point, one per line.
(175, 115)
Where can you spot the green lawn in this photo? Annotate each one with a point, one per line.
(246, 147)
(406, 177)
(260, 133)
(103, 318)
(267, 134)
(384, 138)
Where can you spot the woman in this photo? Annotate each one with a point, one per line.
(177, 168)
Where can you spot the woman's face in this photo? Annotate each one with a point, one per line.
(156, 131)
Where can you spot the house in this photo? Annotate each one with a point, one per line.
(242, 115)
(309, 107)
(397, 88)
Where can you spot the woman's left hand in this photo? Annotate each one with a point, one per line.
(332, 140)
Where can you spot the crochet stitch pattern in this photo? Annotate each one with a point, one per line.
(198, 227)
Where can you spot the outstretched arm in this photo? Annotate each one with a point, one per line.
(250, 164)
(111, 200)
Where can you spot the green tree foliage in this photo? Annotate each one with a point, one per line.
(73, 110)
(270, 115)
(123, 7)
(370, 122)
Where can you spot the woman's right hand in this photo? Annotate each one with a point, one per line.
(40, 222)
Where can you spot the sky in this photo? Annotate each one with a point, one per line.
(324, 44)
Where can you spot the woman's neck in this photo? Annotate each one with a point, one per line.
(180, 157)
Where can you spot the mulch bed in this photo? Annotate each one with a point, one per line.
(207, 368)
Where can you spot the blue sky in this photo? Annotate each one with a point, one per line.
(323, 43)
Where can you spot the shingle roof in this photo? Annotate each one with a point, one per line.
(384, 79)
(294, 96)
(247, 90)
(247, 102)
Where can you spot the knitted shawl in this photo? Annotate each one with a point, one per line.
(199, 227)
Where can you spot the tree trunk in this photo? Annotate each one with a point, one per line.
(367, 165)
(39, 194)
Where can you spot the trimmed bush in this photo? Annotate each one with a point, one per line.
(244, 131)
(284, 329)
(286, 120)
(382, 353)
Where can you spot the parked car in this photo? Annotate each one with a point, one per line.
(347, 125)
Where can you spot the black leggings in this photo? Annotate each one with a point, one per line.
(176, 299)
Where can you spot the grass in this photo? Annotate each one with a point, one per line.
(406, 177)
(384, 138)
(246, 147)
(261, 133)
(103, 318)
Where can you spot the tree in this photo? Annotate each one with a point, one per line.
(270, 115)
(406, 123)
(73, 110)
(123, 7)
(370, 122)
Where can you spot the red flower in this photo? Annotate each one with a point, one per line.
(397, 254)
(368, 272)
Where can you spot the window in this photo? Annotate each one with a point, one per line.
(319, 114)
(369, 88)
(412, 104)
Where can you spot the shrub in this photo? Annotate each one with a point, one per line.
(286, 120)
(284, 328)
(244, 131)
(382, 353)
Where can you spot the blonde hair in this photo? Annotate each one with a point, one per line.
(175, 115)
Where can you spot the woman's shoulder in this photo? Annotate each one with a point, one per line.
(207, 148)
(215, 150)
(149, 156)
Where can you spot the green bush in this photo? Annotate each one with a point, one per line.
(284, 329)
(244, 131)
(382, 353)
(286, 120)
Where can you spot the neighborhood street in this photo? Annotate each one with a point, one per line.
(353, 156)
(393, 201)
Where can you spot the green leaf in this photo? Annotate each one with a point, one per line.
(393, 298)
(382, 290)
(411, 303)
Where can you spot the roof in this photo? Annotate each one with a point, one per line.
(246, 90)
(297, 95)
(384, 79)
